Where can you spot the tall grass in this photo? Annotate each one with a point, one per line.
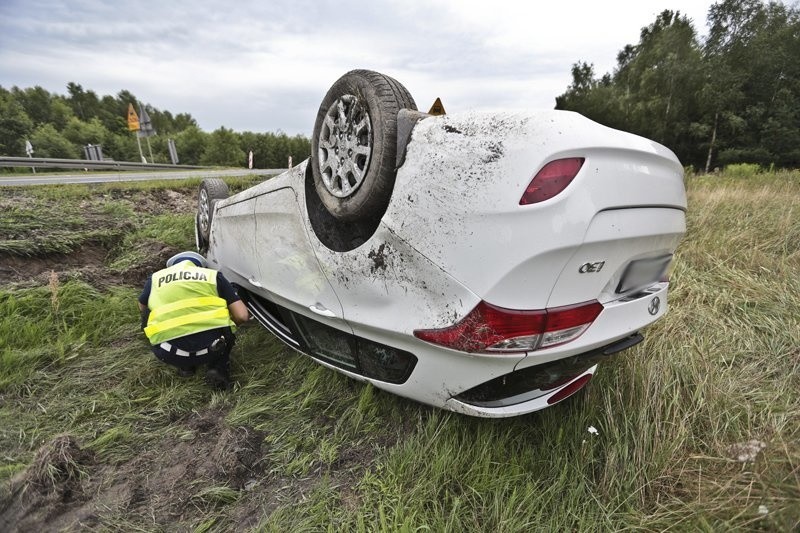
(721, 369)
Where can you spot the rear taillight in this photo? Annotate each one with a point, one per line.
(551, 180)
(488, 328)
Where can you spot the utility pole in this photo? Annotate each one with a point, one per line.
(139, 143)
(149, 149)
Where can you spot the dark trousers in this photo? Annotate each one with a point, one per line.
(214, 359)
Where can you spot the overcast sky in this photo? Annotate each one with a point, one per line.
(265, 65)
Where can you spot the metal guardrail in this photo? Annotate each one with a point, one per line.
(45, 162)
(63, 178)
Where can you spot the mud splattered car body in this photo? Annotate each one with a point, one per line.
(463, 295)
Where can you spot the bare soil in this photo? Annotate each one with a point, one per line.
(68, 488)
(88, 262)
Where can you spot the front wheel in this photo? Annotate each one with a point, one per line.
(211, 191)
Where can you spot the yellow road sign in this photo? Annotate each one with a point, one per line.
(133, 119)
(437, 108)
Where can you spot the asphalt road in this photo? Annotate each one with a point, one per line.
(105, 177)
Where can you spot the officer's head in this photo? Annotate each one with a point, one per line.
(195, 258)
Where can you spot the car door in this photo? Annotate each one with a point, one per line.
(232, 247)
(288, 268)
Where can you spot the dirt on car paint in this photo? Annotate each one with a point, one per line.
(378, 258)
(479, 146)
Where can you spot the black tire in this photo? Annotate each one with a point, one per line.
(211, 191)
(354, 145)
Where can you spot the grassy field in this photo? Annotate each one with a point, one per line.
(698, 427)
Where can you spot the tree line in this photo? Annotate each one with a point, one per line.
(733, 97)
(61, 125)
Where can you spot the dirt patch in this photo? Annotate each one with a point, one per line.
(51, 486)
(204, 463)
(156, 201)
(175, 201)
(20, 269)
(89, 262)
(155, 254)
(58, 466)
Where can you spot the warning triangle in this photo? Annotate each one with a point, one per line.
(437, 108)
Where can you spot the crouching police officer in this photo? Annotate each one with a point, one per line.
(188, 314)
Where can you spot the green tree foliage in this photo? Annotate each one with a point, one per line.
(223, 149)
(191, 144)
(85, 104)
(733, 98)
(113, 116)
(38, 105)
(595, 98)
(50, 143)
(15, 125)
(121, 148)
(61, 125)
(82, 133)
(755, 49)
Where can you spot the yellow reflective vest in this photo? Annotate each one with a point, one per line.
(184, 300)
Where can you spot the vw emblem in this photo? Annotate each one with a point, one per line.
(655, 305)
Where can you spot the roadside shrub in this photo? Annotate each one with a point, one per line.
(742, 170)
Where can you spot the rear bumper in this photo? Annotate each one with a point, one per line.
(444, 378)
(619, 319)
(536, 387)
(612, 332)
(529, 406)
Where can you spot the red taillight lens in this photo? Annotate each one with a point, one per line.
(551, 180)
(485, 326)
(488, 328)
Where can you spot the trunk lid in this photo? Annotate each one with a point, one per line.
(457, 201)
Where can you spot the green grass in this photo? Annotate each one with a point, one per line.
(36, 221)
(742, 170)
(722, 368)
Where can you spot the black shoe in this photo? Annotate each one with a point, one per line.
(187, 372)
(218, 379)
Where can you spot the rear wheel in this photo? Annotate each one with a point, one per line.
(211, 191)
(355, 144)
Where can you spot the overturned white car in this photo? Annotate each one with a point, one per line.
(479, 262)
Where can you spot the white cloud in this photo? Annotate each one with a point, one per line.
(265, 66)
